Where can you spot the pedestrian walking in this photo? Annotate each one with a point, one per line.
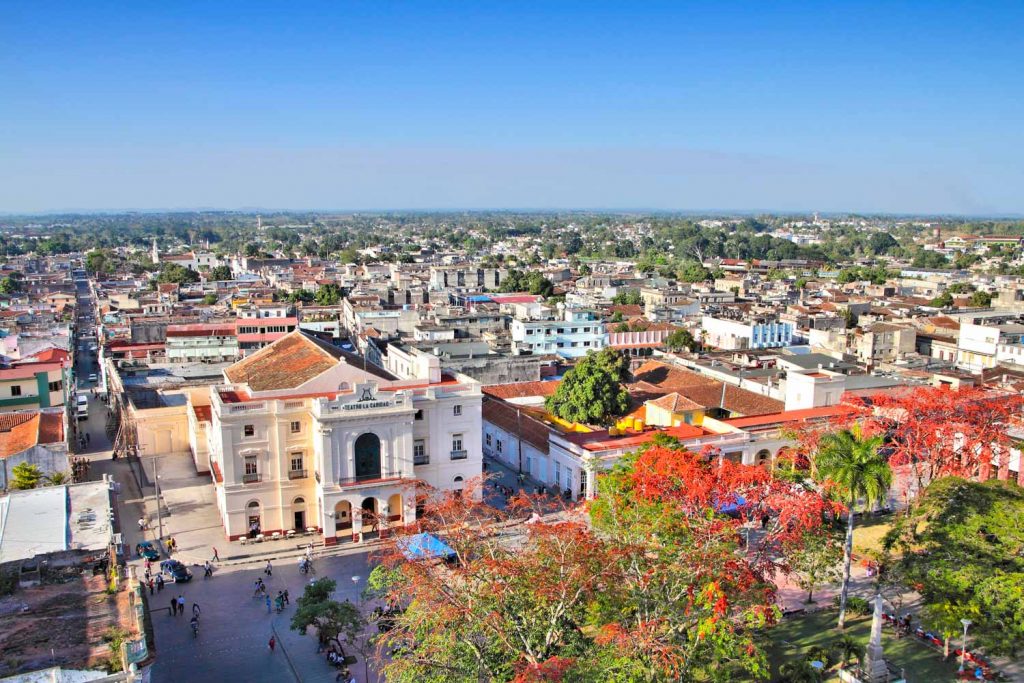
(207, 570)
(170, 546)
(269, 569)
(195, 609)
(174, 606)
(216, 556)
(267, 597)
(181, 604)
(159, 582)
(147, 564)
(272, 642)
(88, 438)
(142, 523)
(286, 600)
(151, 585)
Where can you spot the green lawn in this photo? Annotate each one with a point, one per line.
(794, 636)
(868, 533)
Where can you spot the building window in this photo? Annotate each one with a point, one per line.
(296, 462)
(252, 473)
(419, 415)
(487, 438)
(457, 410)
(457, 450)
(558, 475)
(57, 386)
(248, 430)
(499, 445)
(419, 452)
(15, 390)
(295, 427)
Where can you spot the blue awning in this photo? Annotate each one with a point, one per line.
(425, 547)
(478, 298)
(732, 507)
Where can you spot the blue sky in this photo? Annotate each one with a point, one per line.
(891, 107)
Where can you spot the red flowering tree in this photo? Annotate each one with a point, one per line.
(936, 431)
(657, 587)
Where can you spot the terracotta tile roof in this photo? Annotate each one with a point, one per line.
(289, 362)
(654, 379)
(516, 421)
(812, 414)
(21, 431)
(203, 413)
(522, 389)
(675, 403)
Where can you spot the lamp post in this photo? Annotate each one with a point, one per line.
(963, 648)
(366, 670)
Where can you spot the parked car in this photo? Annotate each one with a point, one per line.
(146, 550)
(178, 572)
(93, 377)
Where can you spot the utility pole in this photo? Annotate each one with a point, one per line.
(156, 483)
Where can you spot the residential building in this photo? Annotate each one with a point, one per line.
(571, 333)
(202, 343)
(746, 333)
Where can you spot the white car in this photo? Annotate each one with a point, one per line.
(93, 377)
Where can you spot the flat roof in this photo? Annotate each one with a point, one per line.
(53, 519)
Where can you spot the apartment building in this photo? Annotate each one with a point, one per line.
(748, 333)
(570, 333)
(202, 343)
(979, 345)
(302, 434)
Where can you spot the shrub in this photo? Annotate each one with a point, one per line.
(854, 605)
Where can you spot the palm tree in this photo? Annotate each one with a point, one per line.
(58, 478)
(851, 461)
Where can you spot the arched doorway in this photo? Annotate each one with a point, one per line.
(458, 484)
(299, 514)
(763, 458)
(253, 518)
(342, 517)
(367, 456)
(369, 516)
(395, 508)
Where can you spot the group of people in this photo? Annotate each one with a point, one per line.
(152, 582)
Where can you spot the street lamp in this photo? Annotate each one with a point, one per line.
(963, 648)
(366, 670)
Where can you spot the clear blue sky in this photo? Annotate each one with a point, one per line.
(889, 106)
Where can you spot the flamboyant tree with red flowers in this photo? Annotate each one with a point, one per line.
(936, 431)
(661, 583)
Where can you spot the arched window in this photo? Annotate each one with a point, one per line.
(367, 452)
(763, 458)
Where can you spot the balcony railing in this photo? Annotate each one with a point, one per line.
(252, 478)
(421, 459)
(460, 455)
(363, 478)
(297, 474)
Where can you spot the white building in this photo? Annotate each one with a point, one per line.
(979, 346)
(572, 333)
(302, 436)
(736, 335)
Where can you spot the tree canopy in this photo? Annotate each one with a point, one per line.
(173, 272)
(961, 549)
(592, 392)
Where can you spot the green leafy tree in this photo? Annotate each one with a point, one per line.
(679, 340)
(25, 476)
(630, 298)
(981, 299)
(693, 271)
(9, 285)
(58, 478)
(340, 622)
(301, 296)
(173, 272)
(210, 299)
(817, 559)
(961, 547)
(961, 288)
(592, 391)
(98, 262)
(328, 295)
(349, 256)
(944, 300)
(220, 273)
(850, 461)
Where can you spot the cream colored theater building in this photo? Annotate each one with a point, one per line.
(301, 435)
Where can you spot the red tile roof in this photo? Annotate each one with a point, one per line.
(807, 414)
(21, 431)
(289, 362)
(522, 389)
(518, 422)
(654, 379)
(603, 441)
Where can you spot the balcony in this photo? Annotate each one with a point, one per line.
(421, 459)
(368, 478)
(297, 474)
(252, 478)
(460, 455)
